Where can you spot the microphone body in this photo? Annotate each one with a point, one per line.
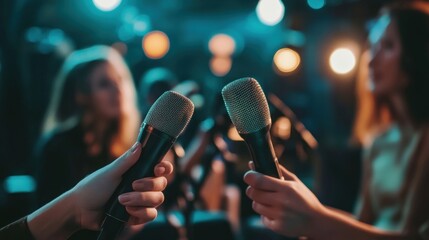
(262, 152)
(155, 144)
(249, 112)
(165, 121)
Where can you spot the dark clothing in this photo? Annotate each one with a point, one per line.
(16, 230)
(62, 161)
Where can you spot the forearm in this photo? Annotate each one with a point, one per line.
(336, 225)
(55, 220)
(339, 211)
(193, 156)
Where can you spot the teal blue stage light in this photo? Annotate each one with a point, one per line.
(316, 4)
(19, 184)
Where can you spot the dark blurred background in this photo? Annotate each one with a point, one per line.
(210, 42)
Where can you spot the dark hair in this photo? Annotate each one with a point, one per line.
(78, 80)
(412, 21)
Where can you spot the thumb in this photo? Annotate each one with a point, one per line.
(126, 161)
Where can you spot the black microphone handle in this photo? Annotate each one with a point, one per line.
(262, 152)
(155, 144)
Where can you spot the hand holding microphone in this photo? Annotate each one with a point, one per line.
(82, 207)
(139, 173)
(248, 109)
(286, 205)
(165, 121)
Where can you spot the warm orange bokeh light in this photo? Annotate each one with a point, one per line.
(220, 66)
(222, 45)
(286, 60)
(156, 44)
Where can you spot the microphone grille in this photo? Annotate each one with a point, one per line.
(246, 105)
(170, 113)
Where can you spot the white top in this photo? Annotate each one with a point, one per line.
(388, 159)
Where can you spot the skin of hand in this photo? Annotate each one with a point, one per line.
(286, 205)
(82, 207)
(289, 208)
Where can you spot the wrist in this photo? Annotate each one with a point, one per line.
(74, 213)
(56, 220)
(320, 227)
(333, 224)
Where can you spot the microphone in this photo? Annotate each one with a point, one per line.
(248, 109)
(165, 121)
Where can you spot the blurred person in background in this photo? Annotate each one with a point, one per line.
(153, 84)
(203, 181)
(393, 203)
(91, 120)
(209, 164)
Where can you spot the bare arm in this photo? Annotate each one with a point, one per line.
(82, 207)
(289, 208)
(335, 225)
(196, 149)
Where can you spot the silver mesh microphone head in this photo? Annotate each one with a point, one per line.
(170, 113)
(246, 105)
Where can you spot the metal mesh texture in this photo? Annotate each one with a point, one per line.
(246, 105)
(170, 113)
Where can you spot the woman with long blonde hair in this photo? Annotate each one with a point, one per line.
(91, 120)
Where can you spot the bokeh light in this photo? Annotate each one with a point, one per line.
(316, 4)
(220, 66)
(156, 44)
(342, 60)
(270, 12)
(198, 100)
(222, 45)
(287, 60)
(282, 128)
(234, 135)
(141, 24)
(19, 184)
(106, 5)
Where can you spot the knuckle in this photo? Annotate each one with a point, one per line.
(150, 185)
(255, 206)
(160, 199)
(163, 183)
(152, 213)
(294, 187)
(249, 192)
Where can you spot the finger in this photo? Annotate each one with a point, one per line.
(139, 215)
(265, 210)
(270, 223)
(251, 165)
(150, 184)
(263, 197)
(262, 182)
(287, 175)
(128, 159)
(164, 168)
(141, 199)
